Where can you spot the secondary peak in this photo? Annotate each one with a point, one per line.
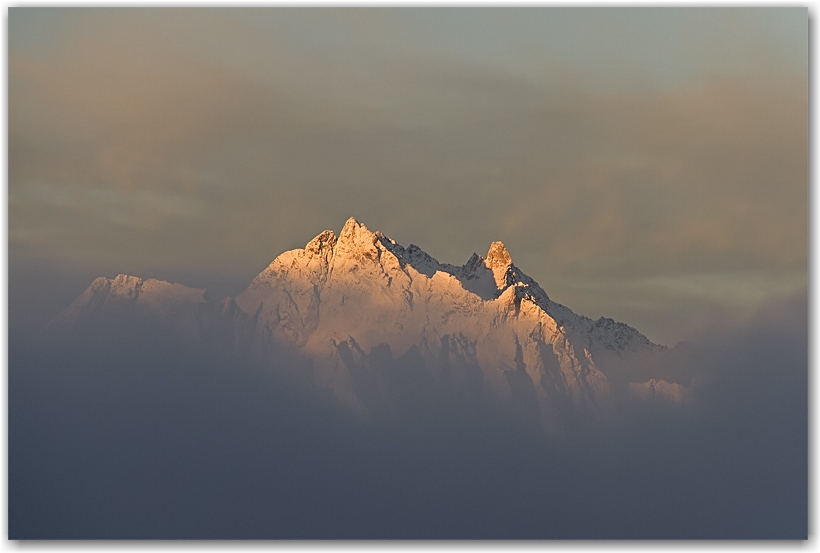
(498, 256)
(325, 241)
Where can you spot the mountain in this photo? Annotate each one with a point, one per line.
(385, 328)
(175, 308)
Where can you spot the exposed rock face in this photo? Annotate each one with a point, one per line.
(383, 325)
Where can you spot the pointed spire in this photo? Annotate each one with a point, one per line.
(499, 262)
(498, 256)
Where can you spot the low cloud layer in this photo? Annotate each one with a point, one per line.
(147, 439)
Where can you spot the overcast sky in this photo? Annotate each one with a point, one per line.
(644, 164)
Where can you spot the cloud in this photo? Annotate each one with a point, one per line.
(144, 438)
(216, 140)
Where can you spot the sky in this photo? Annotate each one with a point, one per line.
(649, 165)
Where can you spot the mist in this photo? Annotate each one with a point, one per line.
(636, 162)
(143, 438)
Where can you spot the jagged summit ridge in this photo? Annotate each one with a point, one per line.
(339, 301)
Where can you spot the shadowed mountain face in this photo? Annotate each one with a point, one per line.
(358, 307)
(360, 389)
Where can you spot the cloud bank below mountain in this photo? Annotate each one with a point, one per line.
(163, 442)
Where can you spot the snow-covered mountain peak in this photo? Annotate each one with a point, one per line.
(131, 289)
(107, 303)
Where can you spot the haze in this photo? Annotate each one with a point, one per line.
(636, 162)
